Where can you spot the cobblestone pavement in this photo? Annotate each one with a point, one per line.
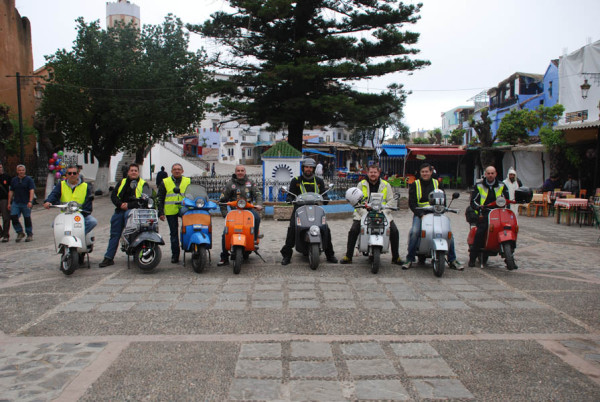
(289, 333)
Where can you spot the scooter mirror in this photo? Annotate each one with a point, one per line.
(397, 196)
(330, 186)
(455, 195)
(284, 189)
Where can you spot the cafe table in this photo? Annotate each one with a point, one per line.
(568, 204)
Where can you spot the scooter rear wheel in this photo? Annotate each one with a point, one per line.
(147, 258)
(313, 256)
(439, 263)
(376, 260)
(199, 259)
(238, 256)
(69, 260)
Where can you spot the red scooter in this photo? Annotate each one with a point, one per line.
(502, 229)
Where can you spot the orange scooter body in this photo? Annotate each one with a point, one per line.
(239, 228)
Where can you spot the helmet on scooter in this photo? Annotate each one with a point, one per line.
(437, 197)
(354, 196)
(309, 162)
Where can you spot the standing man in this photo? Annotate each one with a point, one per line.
(306, 183)
(124, 199)
(484, 193)
(373, 185)
(160, 176)
(74, 189)
(240, 186)
(213, 172)
(170, 195)
(512, 183)
(20, 201)
(4, 211)
(418, 197)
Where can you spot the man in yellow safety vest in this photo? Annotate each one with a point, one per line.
(170, 195)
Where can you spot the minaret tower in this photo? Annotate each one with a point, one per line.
(122, 10)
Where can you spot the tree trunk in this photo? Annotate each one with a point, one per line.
(295, 130)
(101, 182)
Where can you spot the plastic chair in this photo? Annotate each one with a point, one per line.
(458, 182)
(582, 193)
(445, 182)
(543, 206)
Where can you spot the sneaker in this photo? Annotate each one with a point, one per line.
(174, 260)
(472, 261)
(332, 259)
(407, 265)
(106, 262)
(20, 236)
(5, 239)
(397, 261)
(456, 265)
(346, 260)
(29, 238)
(224, 261)
(286, 260)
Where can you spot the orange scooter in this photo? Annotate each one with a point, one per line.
(240, 239)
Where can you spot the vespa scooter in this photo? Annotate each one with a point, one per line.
(70, 239)
(436, 232)
(501, 237)
(196, 227)
(311, 225)
(140, 237)
(374, 237)
(240, 239)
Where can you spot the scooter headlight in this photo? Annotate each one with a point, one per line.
(200, 203)
(438, 208)
(314, 231)
(72, 206)
(500, 202)
(241, 203)
(150, 203)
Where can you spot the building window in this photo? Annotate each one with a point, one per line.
(550, 89)
(339, 136)
(243, 153)
(249, 152)
(230, 151)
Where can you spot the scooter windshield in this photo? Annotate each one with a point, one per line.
(309, 198)
(194, 191)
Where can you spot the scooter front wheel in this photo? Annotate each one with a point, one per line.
(313, 256)
(147, 258)
(238, 256)
(376, 260)
(69, 260)
(199, 259)
(439, 263)
(509, 258)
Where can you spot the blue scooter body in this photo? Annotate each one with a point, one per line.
(196, 227)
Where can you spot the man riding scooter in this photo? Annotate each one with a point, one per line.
(373, 185)
(170, 194)
(73, 189)
(484, 193)
(307, 182)
(240, 186)
(418, 197)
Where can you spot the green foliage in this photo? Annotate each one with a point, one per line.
(122, 89)
(457, 136)
(10, 143)
(435, 136)
(291, 60)
(516, 125)
(483, 128)
(420, 141)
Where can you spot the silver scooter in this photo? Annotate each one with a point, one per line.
(436, 232)
(374, 237)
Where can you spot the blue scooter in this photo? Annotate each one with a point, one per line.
(196, 227)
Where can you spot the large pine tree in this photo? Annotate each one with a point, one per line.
(291, 61)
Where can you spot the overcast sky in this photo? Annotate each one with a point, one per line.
(472, 44)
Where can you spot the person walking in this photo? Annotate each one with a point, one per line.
(170, 195)
(4, 211)
(512, 183)
(160, 176)
(20, 201)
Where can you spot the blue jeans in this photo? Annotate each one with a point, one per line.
(17, 209)
(117, 224)
(414, 237)
(173, 221)
(90, 223)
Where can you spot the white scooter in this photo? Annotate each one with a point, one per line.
(70, 239)
(435, 231)
(374, 237)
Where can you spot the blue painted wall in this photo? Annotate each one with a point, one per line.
(551, 90)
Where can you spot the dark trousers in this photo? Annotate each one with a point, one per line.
(5, 231)
(117, 224)
(290, 240)
(355, 231)
(479, 240)
(224, 252)
(173, 221)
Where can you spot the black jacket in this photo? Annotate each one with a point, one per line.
(127, 195)
(491, 196)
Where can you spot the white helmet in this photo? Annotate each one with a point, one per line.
(437, 197)
(354, 196)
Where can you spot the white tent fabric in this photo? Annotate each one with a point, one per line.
(528, 166)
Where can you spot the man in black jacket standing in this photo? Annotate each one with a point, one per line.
(306, 183)
(484, 193)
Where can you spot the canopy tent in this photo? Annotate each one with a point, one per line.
(316, 151)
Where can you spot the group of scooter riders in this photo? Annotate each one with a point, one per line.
(171, 190)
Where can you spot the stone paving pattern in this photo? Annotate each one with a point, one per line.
(289, 333)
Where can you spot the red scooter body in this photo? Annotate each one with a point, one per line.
(501, 235)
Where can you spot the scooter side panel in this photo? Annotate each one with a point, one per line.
(200, 238)
(71, 241)
(239, 223)
(147, 236)
(309, 215)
